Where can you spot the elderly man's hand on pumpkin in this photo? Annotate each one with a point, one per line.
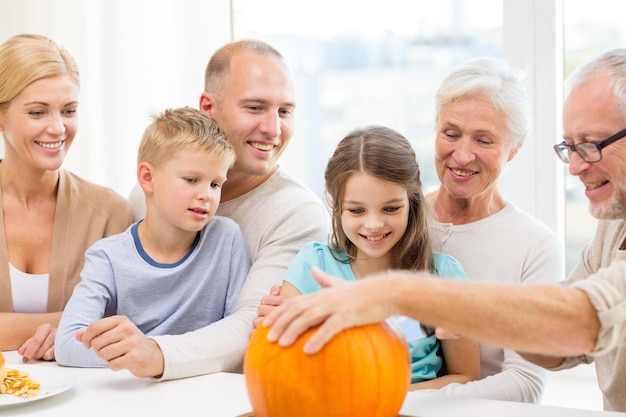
(274, 299)
(329, 306)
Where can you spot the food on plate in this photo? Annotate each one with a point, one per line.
(16, 382)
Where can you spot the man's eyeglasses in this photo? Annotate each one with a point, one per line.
(588, 151)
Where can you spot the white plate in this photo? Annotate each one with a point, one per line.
(53, 381)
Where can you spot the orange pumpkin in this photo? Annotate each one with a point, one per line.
(362, 371)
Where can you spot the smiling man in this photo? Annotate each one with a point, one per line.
(249, 92)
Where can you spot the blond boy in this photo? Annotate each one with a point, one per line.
(177, 270)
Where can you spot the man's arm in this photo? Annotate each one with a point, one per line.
(545, 361)
(221, 346)
(555, 320)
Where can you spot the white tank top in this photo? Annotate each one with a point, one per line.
(29, 291)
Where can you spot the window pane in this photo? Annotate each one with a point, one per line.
(358, 63)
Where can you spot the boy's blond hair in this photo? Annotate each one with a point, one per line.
(180, 129)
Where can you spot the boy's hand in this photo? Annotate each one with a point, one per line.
(119, 342)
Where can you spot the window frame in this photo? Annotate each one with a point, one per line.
(533, 44)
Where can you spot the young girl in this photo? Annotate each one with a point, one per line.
(379, 222)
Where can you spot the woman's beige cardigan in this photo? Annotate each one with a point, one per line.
(85, 212)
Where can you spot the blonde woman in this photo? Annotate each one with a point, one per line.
(49, 216)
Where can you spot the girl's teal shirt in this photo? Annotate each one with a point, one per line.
(426, 358)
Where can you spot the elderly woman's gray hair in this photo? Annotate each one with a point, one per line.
(494, 80)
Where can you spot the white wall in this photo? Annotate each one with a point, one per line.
(141, 56)
(533, 45)
(135, 57)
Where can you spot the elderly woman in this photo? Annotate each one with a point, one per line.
(482, 121)
(49, 216)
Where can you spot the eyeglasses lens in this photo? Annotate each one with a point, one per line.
(588, 152)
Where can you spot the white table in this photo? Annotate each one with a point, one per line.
(102, 392)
